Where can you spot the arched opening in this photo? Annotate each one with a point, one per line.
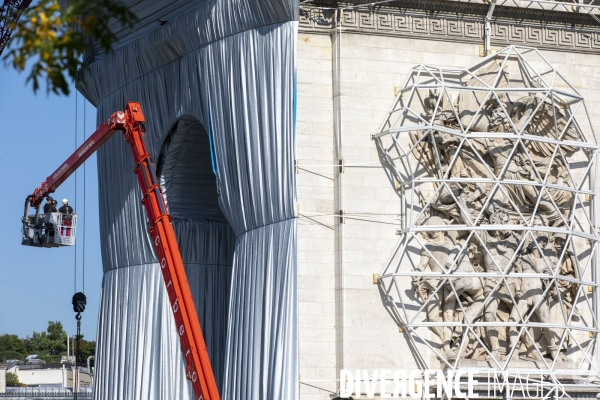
(184, 169)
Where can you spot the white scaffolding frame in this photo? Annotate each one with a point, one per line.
(579, 226)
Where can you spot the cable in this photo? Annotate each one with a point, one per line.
(317, 387)
(75, 202)
(338, 165)
(317, 222)
(347, 217)
(355, 213)
(370, 220)
(84, 208)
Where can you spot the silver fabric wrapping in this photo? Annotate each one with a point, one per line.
(237, 80)
(261, 359)
(207, 242)
(187, 29)
(133, 361)
(207, 250)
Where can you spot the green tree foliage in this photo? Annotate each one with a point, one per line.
(86, 348)
(11, 347)
(49, 345)
(51, 41)
(12, 380)
(29, 345)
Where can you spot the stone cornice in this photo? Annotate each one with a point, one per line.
(455, 21)
(542, 10)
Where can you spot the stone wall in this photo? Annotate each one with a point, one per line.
(346, 83)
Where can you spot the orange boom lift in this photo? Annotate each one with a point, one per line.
(36, 233)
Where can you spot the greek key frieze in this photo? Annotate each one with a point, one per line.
(451, 26)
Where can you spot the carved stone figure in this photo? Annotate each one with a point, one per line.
(437, 249)
(514, 165)
(560, 253)
(470, 287)
(530, 294)
(505, 158)
(487, 154)
(461, 202)
(564, 292)
(478, 110)
(501, 246)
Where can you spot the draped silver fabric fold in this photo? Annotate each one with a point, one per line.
(220, 117)
(207, 250)
(261, 348)
(187, 30)
(132, 361)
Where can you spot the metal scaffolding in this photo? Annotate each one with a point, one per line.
(467, 176)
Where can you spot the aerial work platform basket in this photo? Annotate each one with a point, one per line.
(49, 230)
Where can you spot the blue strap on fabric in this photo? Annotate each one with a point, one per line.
(211, 145)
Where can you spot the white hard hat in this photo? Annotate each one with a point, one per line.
(65, 201)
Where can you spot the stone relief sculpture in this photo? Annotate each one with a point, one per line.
(470, 289)
(499, 232)
(437, 249)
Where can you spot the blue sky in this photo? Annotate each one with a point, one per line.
(37, 133)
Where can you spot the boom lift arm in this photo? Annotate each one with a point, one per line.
(131, 123)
